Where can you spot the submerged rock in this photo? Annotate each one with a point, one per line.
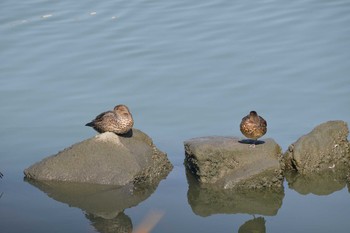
(105, 159)
(227, 163)
(325, 147)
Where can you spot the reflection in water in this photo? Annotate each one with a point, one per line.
(103, 204)
(121, 224)
(100, 200)
(256, 225)
(149, 222)
(206, 201)
(324, 183)
(1, 175)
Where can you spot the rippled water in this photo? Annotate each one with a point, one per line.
(185, 69)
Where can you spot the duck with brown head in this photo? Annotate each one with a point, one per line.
(118, 121)
(253, 126)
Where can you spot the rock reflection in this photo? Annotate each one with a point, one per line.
(121, 224)
(256, 225)
(207, 200)
(103, 205)
(324, 183)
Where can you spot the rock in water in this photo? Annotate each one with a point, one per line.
(325, 147)
(228, 163)
(105, 159)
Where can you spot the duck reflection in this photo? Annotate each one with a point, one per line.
(121, 224)
(207, 200)
(256, 225)
(103, 205)
(1, 175)
(324, 183)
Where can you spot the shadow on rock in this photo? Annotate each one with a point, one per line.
(103, 205)
(256, 225)
(206, 200)
(323, 183)
(127, 134)
(251, 141)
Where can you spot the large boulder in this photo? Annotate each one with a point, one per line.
(228, 163)
(105, 159)
(325, 148)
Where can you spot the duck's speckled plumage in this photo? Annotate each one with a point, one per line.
(118, 121)
(253, 126)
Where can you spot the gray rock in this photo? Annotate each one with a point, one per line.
(105, 159)
(325, 147)
(227, 163)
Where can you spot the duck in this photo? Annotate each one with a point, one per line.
(253, 126)
(118, 121)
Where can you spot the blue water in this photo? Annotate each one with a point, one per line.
(186, 69)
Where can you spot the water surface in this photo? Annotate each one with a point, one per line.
(185, 69)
